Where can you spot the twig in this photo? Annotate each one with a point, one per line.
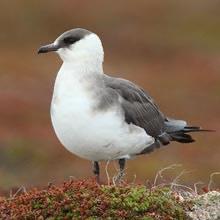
(115, 166)
(114, 178)
(49, 184)
(183, 186)
(195, 186)
(159, 173)
(71, 178)
(118, 177)
(106, 171)
(134, 179)
(211, 179)
(19, 190)
(178, 185)
(178, 177)
(10, 193)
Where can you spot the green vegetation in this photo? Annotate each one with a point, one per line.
(88, 200)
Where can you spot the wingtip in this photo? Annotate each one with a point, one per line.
(197, 129)
(208, 130)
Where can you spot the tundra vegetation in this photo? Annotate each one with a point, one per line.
(85, 199)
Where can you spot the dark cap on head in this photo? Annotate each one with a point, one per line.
(65, 40)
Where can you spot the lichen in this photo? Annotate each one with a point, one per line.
(205, 207)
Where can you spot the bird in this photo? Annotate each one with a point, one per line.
(103, 118)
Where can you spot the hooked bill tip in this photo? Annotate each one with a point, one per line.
(47, 48)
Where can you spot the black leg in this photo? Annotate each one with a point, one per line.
(121, 163)
(96, 170)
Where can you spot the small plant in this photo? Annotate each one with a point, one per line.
(87, 200)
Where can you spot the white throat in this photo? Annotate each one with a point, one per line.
(83, 67)
(86, 55)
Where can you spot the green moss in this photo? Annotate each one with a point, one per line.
(87, 200)
(138, 201)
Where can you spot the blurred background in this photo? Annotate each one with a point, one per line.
(171, 48)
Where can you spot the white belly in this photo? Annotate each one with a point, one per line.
(90, 134)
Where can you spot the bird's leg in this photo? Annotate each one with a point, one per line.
(96, 171)
(121, 163)
(120, 175)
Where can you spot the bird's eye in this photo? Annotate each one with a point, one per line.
(70, 40)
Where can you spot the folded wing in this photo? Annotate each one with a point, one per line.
(139, 108)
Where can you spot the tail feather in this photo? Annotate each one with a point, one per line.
(181, 137)
(175, 130)
(178, 130)
(196, 129)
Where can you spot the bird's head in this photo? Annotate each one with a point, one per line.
(76, 44)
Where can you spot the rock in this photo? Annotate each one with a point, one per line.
(205, 207)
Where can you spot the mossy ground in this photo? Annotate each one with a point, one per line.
(88, 200)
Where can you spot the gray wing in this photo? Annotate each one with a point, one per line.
(139, 108)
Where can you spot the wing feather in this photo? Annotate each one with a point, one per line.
(139, 108)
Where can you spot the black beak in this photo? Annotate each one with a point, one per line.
(48, 48)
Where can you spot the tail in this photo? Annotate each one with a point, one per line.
(175, 130)
(178, 130)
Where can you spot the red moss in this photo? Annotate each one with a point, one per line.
(77, 200)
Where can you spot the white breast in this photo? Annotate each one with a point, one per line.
(92, 135)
